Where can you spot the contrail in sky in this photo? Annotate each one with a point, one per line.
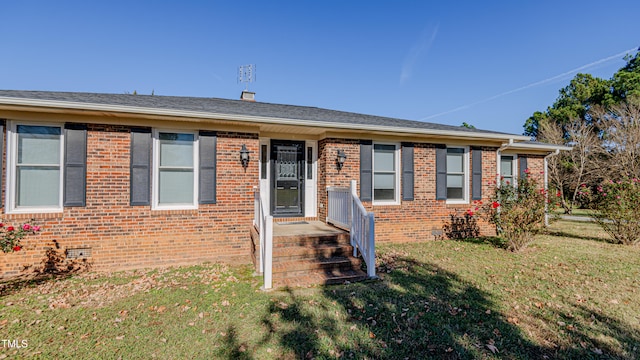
(421, 47)
(534, 84)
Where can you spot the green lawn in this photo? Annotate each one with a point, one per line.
(575, 212)
(569, 295)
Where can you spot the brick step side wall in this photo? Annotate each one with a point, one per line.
(310, 259)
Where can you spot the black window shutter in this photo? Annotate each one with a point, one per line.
(207, 176)
(1, 147)
(366, 173)
(441, 172)
(140, 171)
(75, 164)
(407, 172)
(476, 176)
(522, 166)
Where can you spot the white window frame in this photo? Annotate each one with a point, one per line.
(396, 157)
(12, 160)
(514, 168)
(465, 176)
(155, 186)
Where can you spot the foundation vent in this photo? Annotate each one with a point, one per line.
(79, 253)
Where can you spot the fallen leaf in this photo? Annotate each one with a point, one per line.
(493, 348)
(120, 337)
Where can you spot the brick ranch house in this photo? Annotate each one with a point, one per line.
(137, 181)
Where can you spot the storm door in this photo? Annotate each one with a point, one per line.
(287, 178)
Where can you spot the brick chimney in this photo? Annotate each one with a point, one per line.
(248, 96)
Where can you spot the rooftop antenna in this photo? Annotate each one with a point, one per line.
(246, 75)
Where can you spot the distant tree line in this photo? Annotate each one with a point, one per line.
(600, 119)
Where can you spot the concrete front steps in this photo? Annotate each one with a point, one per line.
(310, 253)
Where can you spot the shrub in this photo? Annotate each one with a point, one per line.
(518, 212)
(11, 237)
(462, 227)
(618, 210)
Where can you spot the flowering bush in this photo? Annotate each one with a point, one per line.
(518, 212)
(11, 237)
(618, 209)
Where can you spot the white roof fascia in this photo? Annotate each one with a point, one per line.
(539, 146)
(249, 118)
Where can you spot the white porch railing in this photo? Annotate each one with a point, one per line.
(339, 206)
(345, 209)
(264, 222)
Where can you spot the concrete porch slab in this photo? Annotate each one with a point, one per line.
(309, 228)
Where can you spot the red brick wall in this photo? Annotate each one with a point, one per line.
(535, 164)
(122, 236)
(411, 220)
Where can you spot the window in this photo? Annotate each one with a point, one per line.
(263, 162)
(175, 170)
(508, 169)
(455, 173)
(385, 173)
(309, 163)
(35, 154)
(452, 174)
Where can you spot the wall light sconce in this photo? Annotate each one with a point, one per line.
(341, 159)
(244, 156)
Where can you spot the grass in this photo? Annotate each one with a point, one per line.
(575, 212)
(570, 295)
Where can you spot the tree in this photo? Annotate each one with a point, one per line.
(532, 124)
(570, 171)
(626, 81)
(574, 102)
(620, 126)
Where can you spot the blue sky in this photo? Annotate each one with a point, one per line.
(490, 64)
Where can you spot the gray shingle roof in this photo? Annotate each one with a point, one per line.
(235, 107)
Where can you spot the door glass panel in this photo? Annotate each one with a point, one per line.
(287, 163)
(263, 162)
(288, 177)
(309, 163)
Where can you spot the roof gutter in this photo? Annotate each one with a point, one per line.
(36, 103)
